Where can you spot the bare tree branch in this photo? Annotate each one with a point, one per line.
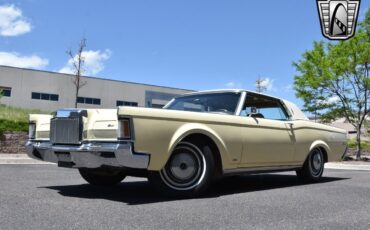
(78, 61)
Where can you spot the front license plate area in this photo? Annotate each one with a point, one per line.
(63, 156)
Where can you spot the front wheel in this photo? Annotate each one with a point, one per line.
(102, 176)
(313, 168)
(187, 173)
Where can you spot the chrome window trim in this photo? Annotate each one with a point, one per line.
(238, 106)
(240, 103)
(287, 111)
(168, 103)
(281, 104)
(212, 91)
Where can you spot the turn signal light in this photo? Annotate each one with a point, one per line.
(32, 130)
(124, 129)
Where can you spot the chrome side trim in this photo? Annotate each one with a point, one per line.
(261, 169)
(240, 103)
(89, 155)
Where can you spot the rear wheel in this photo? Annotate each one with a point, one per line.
(313, 168)
(187, 173)
(102, 176)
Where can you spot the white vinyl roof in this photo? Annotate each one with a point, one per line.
(296, 113)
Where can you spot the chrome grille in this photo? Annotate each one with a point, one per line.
(65, 130)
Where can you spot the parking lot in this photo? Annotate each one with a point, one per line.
(44, 196)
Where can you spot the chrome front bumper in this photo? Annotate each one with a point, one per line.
(88, 155)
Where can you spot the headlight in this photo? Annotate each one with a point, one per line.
(32, 130)
(124, 129)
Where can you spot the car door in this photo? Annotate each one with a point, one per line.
(268, 133)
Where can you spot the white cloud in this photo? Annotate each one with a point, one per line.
(12, 22)
(288, 88)
(17, 60)
(331, 100)
(267, 83)
(233, 85)
(93, 62)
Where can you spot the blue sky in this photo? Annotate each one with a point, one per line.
(192, 44)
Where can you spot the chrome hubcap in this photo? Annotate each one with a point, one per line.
(185, 169)
(183, 166)
(316, 162)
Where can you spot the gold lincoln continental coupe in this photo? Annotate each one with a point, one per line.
(194, 139)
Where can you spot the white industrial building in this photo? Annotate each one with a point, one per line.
(35, 89)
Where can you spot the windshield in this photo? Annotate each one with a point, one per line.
(207, 103)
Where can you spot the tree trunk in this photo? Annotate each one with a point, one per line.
(358, 140)
(77, 87)
(76, 97)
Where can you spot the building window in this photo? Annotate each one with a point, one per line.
(5, 91)
(81, 100)
(157, 106)
(127, 103)
(54, 97)
(88, 100)
(45, 96)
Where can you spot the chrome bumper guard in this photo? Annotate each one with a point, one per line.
(88, 155)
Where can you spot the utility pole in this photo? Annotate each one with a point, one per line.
(259, 86)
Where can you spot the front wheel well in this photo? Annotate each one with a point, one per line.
(202, 140)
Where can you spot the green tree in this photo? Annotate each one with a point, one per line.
(333, 79)
(365, 24)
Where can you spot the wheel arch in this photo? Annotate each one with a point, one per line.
(200, 132)
(202, 140)
(323, 146)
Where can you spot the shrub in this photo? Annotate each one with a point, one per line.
(15, 119)
(353, 144)
(18, 114)
(6, 125)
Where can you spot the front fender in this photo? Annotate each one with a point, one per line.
(196, 128)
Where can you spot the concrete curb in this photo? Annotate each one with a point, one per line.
(19, 159)
(24, 159)
(348, 166)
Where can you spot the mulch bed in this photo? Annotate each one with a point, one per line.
(13, 142)
(351, 155)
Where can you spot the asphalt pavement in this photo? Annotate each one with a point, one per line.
(48, 197)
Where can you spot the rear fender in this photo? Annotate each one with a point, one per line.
(320, 144)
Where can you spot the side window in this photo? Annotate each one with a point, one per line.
(273, 113)
(260, 106)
